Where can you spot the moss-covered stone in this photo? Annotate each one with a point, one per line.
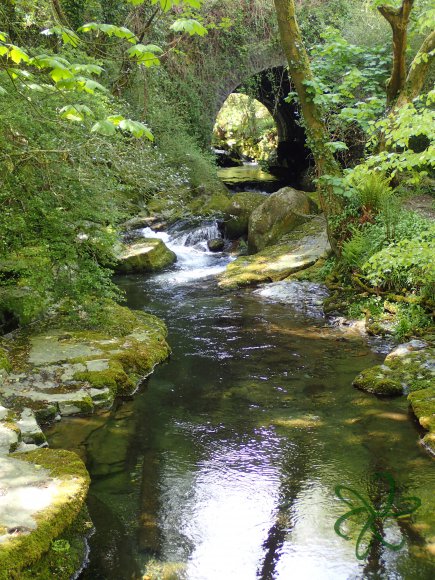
(68, 372)
(297, 251)
(20, 551)
(238, 212)
(279, 214)
(378, 381)
(151, 255)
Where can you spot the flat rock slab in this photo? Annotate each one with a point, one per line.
(61, 372)
(41, 493)
(296, 251)
(24, 490)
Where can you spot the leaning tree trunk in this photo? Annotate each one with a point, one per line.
(316, 130)
(418, 71)
(398, 19)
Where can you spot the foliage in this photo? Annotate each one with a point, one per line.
(409, 140)
(407, 265)
(411, 319)
(245, 125)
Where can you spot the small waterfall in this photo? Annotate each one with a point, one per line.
(197, 237)
(194, 260)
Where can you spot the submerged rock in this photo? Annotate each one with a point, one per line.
(305, 297)
(278, 215)
(408, 369)
(238, 212)
(150, 255)
(296, 251)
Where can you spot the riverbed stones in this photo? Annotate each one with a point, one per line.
(149, 255)
(303, 247)
(409, 369)
(67, 372)
(278, 215)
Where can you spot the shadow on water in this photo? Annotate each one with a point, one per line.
(224, 464)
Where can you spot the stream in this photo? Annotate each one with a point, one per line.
(224, 464)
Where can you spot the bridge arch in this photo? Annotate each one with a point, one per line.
(270, 85)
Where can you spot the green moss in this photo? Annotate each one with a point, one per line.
(5, 363)
(376, 380)
(63, 563)
(115, 378)
(20, 552)
(151, 255)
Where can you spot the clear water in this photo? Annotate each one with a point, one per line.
(224, 465)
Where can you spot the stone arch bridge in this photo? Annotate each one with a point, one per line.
(269, 82)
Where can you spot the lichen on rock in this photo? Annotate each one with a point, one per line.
(67, 372)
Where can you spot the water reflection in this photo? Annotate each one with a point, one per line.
(224, 467)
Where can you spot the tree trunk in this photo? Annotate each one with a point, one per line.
(418, 71)
(300, 72)
(398, 19)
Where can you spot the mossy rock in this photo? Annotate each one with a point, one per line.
(68, 371)
(5, 363)
(299, 250)
(279, 214)
(238, 212)
(377, 380)
(214, 205)
(151, 255)
(19, 552)
(423, 405)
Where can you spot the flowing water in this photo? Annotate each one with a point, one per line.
(224, 465)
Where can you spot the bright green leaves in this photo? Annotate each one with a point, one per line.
(68, 36)
(75, 112)
(104, 127)
(107, 127)
(110, 30)
(14, 53)
(189, 26)
(145, 54)
(335, 146)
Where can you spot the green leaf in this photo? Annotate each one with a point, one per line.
(136, 128)
(16, 54)
(145, 54)
(75, 112)
(189, 26)
(68, 36)
(104, 127)
(3, 91)
(3, 36)
(110, 30)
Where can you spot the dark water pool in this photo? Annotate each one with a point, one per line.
(224, 465)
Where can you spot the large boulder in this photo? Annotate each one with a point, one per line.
(300, 249)
(238, 212)
(149, 255)
(278, 215)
